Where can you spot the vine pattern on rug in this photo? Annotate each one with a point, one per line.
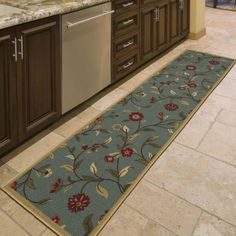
(79, 182)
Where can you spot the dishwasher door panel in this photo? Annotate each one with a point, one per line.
(86, 55)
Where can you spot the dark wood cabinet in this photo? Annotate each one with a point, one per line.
(148, 28)
(39, 73)
(174, 21)
(154, 29)
(8, 99)
(184, 6)
(30, 80)
(157, 24)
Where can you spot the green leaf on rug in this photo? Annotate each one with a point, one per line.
(102, 191)
(30, 184)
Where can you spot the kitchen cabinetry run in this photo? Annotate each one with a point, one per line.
(30, 80)
(156, 24)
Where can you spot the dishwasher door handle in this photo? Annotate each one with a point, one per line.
(70, 24)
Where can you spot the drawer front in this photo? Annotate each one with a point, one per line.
(122, 6)
(125, 65)
(125, 44)
(125, 24)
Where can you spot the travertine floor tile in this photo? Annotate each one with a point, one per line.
(220, 142)
(195, 130)
(28, 222)
(7, 204)
(9, 228)
(173, 213)
(73, 125)
(213, 105)
(211, 226)
(227, 88)
(136, 81)
(48, 232)
(6, 174)
(154, 229)
(109, 99)
(201, 180)
(227, 117)
(32, 154)
(125, 222)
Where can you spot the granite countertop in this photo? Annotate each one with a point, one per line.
(38, 9)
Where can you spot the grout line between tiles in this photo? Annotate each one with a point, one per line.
(209, 128)
(197, 222)
(193, 204)
(15, 222)
(207, 155)
(147, 217)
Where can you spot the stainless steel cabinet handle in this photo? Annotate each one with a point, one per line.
(127, 4)
(15, 49)
(21, 52)
(128, 65)
(157, 15)
(125, 45)
(70, 24)
(128, 21)
(181, 4)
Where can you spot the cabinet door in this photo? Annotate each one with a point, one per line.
(184, 17)
(174, 20)
(8, 114)
(162, 26)
(39, 86)
(148, 27)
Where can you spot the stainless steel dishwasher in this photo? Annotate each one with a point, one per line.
(86, 54)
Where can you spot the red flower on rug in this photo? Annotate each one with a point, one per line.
(214, 62)
(171, 106)
(191, 67)
(192, 85)
(161, 115)
(85, 147)
(13, 185)
(127, 152)
(136, 116)
(78, 202)
(109, 159)
(95, 147)
(56, 219)
(56, 186)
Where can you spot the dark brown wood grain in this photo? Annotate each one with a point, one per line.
(8, 114)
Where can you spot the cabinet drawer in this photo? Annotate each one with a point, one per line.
(125, 44)
(125, 65)
(125, 23)
(121, 6)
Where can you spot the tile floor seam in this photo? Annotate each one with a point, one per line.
(207, 155)
(15, 222)
(44, 231)
(193, 204)
(147, 217)
(198, 221)
(221, 122)
(209, 128)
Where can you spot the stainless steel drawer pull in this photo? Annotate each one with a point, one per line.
(128, 64)
(21, 53)
(128, 22)
(157, 15)
(70, 24)
(181, 4)
(125, 45)
(15, 49)
(128, 4)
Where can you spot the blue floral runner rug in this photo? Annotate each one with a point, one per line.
(77, 187)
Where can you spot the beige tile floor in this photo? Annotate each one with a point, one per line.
(191, 189)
